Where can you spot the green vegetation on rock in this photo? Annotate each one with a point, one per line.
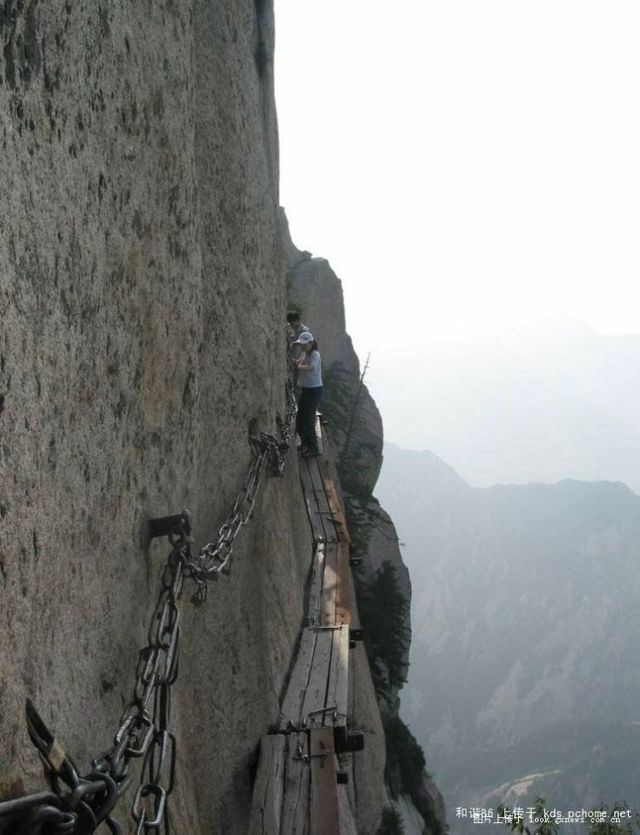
(391, 823)
(383, 610)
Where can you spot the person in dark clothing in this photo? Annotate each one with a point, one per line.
(309, 367)
(295, 326)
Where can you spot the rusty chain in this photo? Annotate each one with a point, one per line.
(78, 805)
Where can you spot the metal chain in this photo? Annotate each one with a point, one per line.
(78, 805)
(215, 557)
(145, 726)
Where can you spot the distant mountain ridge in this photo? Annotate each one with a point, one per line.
(555, 401)
(525, 633)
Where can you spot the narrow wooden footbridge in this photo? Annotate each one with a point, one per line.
(300, 782)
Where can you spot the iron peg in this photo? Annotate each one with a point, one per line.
(177, 525)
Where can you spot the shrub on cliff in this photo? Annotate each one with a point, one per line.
(383, 611)
(391, 823)
(405, 766)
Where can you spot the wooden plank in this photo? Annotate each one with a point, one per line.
(316, 519)
(297, 786)
(317, 522)
(315, 585)
(345, 585)
(325, 470)
(315, 510)
(291, 712)
(337, 513)
(317, 481)
(268, 791)
(329, 585)
(338, 684)
(315, 699)
(325, 816)
(320, 496)
(334, 500)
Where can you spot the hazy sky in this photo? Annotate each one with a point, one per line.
(465, 165)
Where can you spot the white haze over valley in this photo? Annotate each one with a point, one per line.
(471, 172)
(555, 401)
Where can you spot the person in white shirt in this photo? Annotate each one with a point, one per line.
(309, 367)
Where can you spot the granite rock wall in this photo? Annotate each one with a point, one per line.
(142, 291)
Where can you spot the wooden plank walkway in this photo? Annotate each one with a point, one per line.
(281, 795)
(318, 687)
(296, 789)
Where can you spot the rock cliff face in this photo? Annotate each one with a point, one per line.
(142, 291)
(142, 297)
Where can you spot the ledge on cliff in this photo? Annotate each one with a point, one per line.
(355, 428)
(138, 214)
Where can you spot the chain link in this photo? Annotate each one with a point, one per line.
(145, 729)
(215, 557)
(78, 805)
